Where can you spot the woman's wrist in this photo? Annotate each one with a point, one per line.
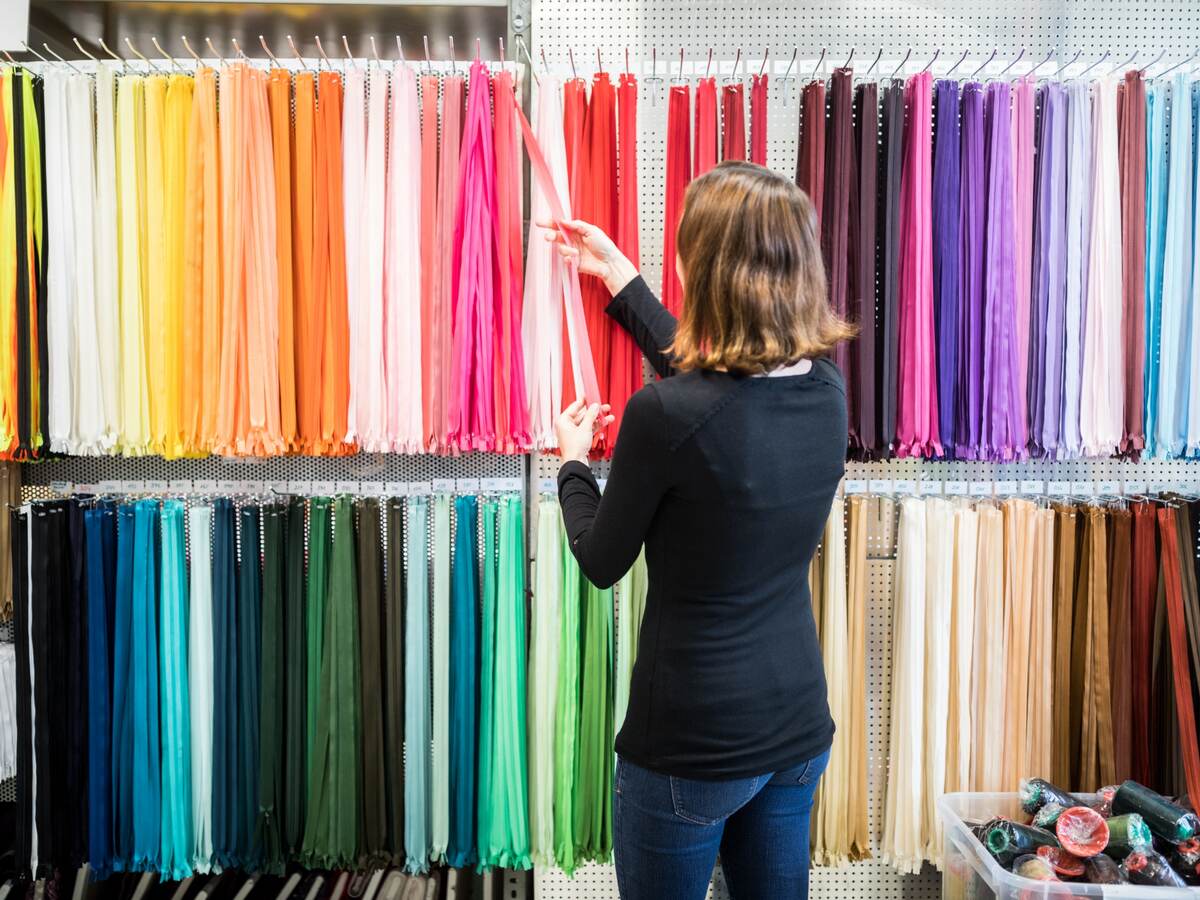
(620, 272)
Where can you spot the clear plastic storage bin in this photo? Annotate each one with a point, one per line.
(970, 873)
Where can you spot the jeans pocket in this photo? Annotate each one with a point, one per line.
(708, 802)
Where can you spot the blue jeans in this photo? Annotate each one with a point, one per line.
(667, 833)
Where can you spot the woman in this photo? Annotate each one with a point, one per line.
(725, 469)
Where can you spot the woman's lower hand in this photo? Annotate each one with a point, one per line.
(593, 251)
(577, 425)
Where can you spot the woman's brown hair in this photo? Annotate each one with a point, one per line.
(754, 284)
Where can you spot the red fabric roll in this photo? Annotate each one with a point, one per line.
(1181, 671)
(810, 161)
(706, 126)
(625, 361)
(1143, 600)
(1082, 832)
(1131, 132)
(758, 119)
(679, 173)
(733, 121)
(575, 107)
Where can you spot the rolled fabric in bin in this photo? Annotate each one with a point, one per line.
(1167, 820)
(1061, 861)
(1082, 831)
(1102, 870)
(1151, 868)
(1185, 859)
(1006, 840)
(1103, 801)
(1047, 816)
(1035, 793)
(1127, 834)
(1034, 867)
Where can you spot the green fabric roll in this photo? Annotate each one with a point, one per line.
(393, 615)
(268, 837)
(487, 680)
(545, 634)
(370, 578)
(331, 833)
(566, 718)
(295, 740)
(319, 544)
(594, 763)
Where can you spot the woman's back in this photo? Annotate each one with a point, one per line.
(729, 680)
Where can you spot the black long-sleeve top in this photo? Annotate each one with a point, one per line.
(728, 481)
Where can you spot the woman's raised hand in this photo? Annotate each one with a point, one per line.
(592, 250)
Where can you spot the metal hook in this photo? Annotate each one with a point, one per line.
(878, 56)
(400, 49)
(428, 64)
(238, 49)
(1107, 53)
(477, 50)
(571, 56)
(679, 79)
(599, 62)
(1049, 56)
(937, 51)
(903, 62)
(374, 49)
(28, 49)
(849, 59)
(163, 53)
(212, 48)
(626, 60)
(134, 51)
(11, 62)
(321, 50)
(1078, 53)
(736, 61)
(1152, 62)
(295, 52)
(349, 55)
(1127, 62)
(503, 61)
(532, 71)
(975, 74)
(1182, 62)
(79, 47)
(766, 56)
(262, 40)
(1011, 64)
(60, 59)
(104, 47)
(545, 65)
(788, 72)
(817, 67)
(708, 65)
(961, 60)
(453, 58)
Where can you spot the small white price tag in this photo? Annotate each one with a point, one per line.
(443, 485)
(854, 486)
(253, 487)
(511, 485)
(181, 486)
(229, 487)
(981, 488)
(155, 487)
(1058, 488)
(62, 488)
(548, 485)
(420, 489)
(1030, 486)
(1108, 488)
(324, 488)
(276, 487)
(371, 488)
(300, 488)
(1137, 487)
(905, 486)
(204, 486)
(347, 487)
(956, 487)
(86, 489)
(932, 488)
(395, 489)
(1083, 488)
(490, 485)
(133, 487)
(1006, 488)
(880, 485)
(467, 485)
